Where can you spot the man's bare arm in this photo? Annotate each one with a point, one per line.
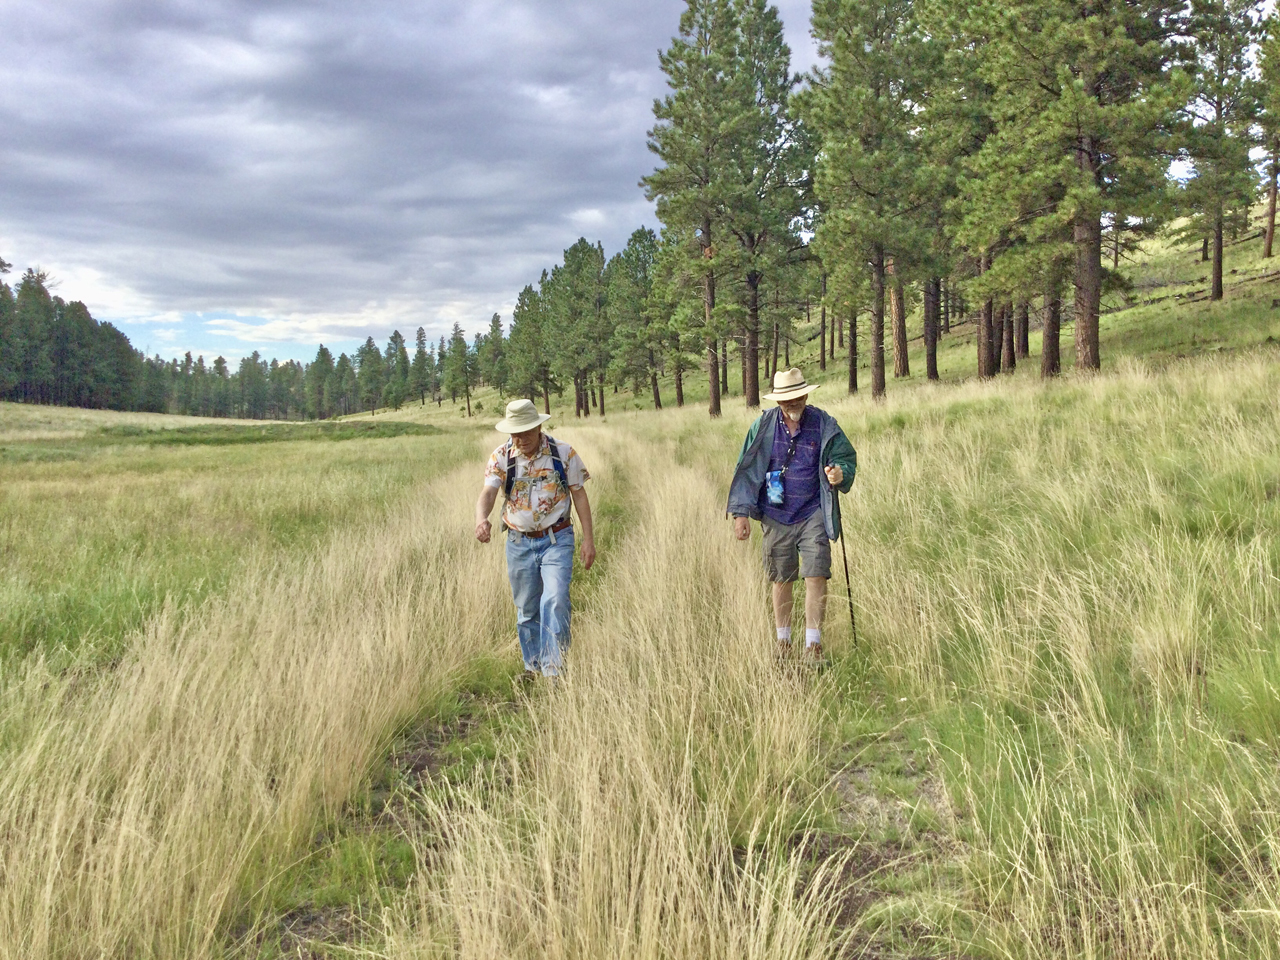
(583, 506)
(484, 507)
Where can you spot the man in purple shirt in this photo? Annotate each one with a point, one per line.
(794, 459)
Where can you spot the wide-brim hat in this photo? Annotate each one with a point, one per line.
(789, 385)
(521, 415)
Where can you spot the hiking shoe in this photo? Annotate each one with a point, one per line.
(813, 652)
(783, 652)
(525, 678)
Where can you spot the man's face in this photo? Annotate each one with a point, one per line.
(528, 441)
(793, 409)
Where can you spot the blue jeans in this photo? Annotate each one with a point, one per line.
(539, 571)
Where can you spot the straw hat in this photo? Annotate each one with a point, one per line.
(521, 415)
(789, 385)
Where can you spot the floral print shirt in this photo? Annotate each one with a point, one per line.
(538, 501)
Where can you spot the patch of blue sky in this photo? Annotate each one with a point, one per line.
(232, 336)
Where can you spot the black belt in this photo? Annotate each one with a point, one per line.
(539, 534)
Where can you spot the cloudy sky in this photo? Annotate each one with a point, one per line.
(230, 175)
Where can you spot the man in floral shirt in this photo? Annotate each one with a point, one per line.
(540, 479)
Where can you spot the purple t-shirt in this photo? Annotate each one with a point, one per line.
(800, 494)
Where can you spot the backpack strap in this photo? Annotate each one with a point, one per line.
(511, 473)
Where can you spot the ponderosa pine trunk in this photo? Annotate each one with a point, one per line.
(1051, 347)
(1087, 238)
(657, 394)
(1022, 331)
(877, 322)
(997, 339)
(1008, 361)
(708, 305)
(724, 367)
(946, 306)
(932, 310)
(822, 337)
(679, 370)
(1270, 235)
(773, 371)
(546, 396)
(898, 311)
(985, 367)
(853, 349)
(1088, 289)
(601, 382)
(1215, 292)
(1204, 250)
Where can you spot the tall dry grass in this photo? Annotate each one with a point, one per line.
(1079, 588)
(657, 811)
(1074, 588)
(142, 806)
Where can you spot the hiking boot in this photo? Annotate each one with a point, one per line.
(813, 652)
(525, 678)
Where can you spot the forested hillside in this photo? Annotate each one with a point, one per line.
(1002, 165)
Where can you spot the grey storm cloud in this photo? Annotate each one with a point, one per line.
(340, 165)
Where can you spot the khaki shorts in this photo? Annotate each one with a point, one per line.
(807, 539)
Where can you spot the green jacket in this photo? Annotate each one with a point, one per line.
(753, 464)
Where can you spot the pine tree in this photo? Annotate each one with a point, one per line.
(342, 393)
(10, 342)
(760, 182)
(33, 324)
(419, 370)
(863, 106)
(493, 359)
(371, 374)
(1269, 67)
(460, 366)
(529, 347)
(1084, 101)
(690, 139)
(638, 330)
(1220, 114)
(318, 376)
(573, 299)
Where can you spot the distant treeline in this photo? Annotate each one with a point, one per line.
(55, 352)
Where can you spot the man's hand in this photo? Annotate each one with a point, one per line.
(835, 475)
(588, 552)
(484, 507)
(742, 528)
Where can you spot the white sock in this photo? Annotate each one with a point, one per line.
(784, 634)
(812, 636)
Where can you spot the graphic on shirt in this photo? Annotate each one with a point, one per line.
(538, 500)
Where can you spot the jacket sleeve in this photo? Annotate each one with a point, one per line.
(746, 443)
(841, 454)
(738, 506)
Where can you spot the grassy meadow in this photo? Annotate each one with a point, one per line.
(258, 700)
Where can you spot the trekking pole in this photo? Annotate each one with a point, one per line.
(848, 586)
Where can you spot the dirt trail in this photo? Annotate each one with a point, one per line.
(875, 834)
